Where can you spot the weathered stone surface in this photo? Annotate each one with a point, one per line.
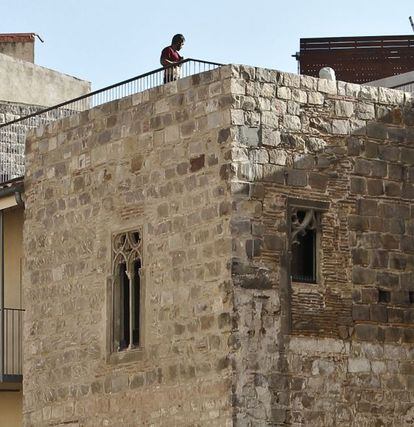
(229, 337)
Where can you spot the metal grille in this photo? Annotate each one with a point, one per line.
(13, 134)
(11, 320)
(357, 59)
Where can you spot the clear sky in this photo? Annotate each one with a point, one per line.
(106, 41)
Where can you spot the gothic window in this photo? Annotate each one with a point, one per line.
(126, 291)
(304, 234)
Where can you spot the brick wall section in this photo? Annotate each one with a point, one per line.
(329, 353)
(153, 161)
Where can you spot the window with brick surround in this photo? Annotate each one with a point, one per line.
(305, 239)
(126, 291)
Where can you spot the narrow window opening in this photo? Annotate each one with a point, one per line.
(304, 232)
(126, 294)
(411, 297)
(384, 296)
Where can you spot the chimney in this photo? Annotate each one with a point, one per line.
(18, 45)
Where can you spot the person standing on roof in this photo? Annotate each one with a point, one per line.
(170, 56)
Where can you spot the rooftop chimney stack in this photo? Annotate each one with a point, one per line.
(18, 45)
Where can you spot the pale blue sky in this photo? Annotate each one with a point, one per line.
(105, 41)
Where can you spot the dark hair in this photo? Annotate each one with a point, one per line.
(178, 38)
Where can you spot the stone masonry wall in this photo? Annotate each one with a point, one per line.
(338, 352)
(11, 149)
(152, 161)
(208, 167)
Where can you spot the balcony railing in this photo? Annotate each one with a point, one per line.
(13, 133)
(11, 333)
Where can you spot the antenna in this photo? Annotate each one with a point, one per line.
(411, 22)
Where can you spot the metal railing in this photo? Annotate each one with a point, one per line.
(13, 133)
(11, 328)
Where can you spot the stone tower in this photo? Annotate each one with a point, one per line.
(235, 248)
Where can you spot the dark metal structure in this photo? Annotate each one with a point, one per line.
(357, 59)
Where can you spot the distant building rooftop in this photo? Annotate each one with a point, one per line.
(357, 59)
(17, 37)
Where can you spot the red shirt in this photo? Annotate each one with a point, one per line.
(170, 54)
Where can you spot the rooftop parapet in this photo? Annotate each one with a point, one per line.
(13, 133)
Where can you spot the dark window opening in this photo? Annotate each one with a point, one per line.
(411, 297)
(124, 285)
(304, 246)
(137, 303)
(384, 296)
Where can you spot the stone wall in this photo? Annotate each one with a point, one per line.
(335, 352)
(209, 167)
(150, 161)
(12, 137)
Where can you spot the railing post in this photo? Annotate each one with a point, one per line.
(2, 353)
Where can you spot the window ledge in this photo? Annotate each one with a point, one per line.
(127, 356)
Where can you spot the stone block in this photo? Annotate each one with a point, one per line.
(270, 137)
(284, 93)
(358, 185)
(407, 191)
(272, 173)
(389, 153)
(357, 365)
(378, 313)
(375, 187)
(358, 223)
(318, 181)
(316, 98)
(327, 86)
(377, 130)
(297, 178)
(407, 244)
(363, 276)
(379, 258)
(289, 79)
(360, 312)
(390, 96)
(365, 332)
(393, 334)
(304, 161)
(344, 108)
(299, 96)
(291, 123)
(367, 207)
(341, 127)
(362, 167)
(365, 111)
(360, 256)
(368, 93)
(392, 189)
(397, 261)
(395, 172)
(249, 136)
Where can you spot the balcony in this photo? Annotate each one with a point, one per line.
(11, 360)
(13, 133)
(11, 303)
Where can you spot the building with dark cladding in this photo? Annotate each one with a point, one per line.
(357, 59)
